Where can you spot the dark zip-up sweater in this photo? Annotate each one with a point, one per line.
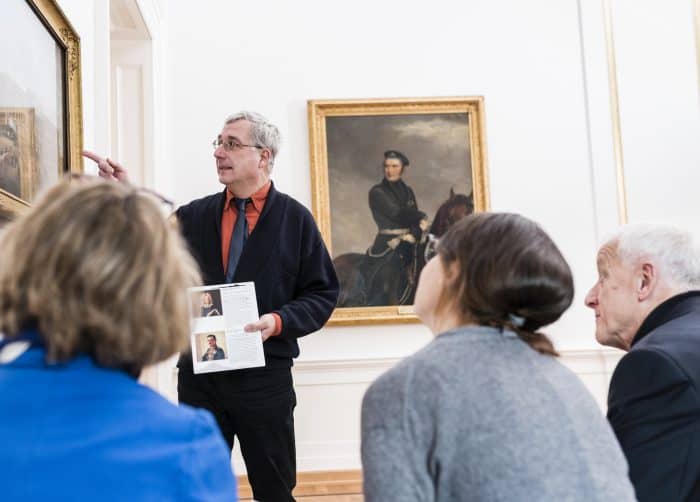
(285, 257)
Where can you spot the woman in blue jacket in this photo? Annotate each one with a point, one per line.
(77, 273)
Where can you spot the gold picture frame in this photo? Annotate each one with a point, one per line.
(442, 144)
(41, 108)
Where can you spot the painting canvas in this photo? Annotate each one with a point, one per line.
(389, 178)
(40, 113)
(17, 152)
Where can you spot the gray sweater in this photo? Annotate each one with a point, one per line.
(479, 415)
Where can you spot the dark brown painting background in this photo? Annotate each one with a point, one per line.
(437, 146)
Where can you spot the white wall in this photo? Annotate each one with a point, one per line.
(542, 66)
(536, 129)
(658, 80)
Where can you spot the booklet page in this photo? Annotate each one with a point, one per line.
(218, 341)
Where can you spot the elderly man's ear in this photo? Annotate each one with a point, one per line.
(647, 281)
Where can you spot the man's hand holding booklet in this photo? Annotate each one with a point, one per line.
(218, 339)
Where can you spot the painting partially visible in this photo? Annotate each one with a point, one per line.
(18, 160)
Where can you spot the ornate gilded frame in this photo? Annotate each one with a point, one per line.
(59, 28)
(318, 113)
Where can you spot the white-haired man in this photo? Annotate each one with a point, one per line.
(647, 302)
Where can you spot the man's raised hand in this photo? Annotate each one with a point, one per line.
(107, 168)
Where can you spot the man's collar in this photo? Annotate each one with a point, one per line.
(670, 309)
(258, 198)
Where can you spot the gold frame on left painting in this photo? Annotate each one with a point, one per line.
(22, 145)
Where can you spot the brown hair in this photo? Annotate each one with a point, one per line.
(97, 268)
(510, 275)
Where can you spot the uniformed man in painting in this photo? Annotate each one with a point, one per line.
(393, 260)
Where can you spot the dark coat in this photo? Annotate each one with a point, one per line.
(390, 273)
(393, 206)
(219, 354)
(285, 257)
(654, 402)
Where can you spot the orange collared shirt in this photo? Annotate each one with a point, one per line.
(252, 215)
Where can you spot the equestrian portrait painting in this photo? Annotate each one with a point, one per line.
(389, 177)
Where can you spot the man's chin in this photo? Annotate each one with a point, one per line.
(225, 177)
(609, 340)
(603, 339)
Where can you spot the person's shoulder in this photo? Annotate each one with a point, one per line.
(396, 377)
(377, 189)
(199, 423)
(293, 209)
(201, 204)
(664, 343)
(405, 393)
(288, 201)
(401, 377)
(178, 422)
(679, 335)
(387, 397)
(646, 367)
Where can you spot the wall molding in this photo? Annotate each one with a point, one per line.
(333, 390)
(366, 370)
(696, 26)
(615, 113)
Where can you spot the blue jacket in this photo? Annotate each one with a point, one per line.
(76, 431)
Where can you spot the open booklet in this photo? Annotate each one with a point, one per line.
(218, 341)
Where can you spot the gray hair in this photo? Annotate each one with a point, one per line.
(674, 251)
(264, 132)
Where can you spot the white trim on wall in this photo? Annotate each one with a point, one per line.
(329, 395)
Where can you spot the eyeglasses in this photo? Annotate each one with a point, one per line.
(231, 145)
(166, 205)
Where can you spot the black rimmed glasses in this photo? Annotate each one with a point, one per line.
(231, 145)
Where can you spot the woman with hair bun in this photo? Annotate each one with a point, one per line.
(485, 412)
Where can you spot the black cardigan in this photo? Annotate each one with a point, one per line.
(285, 257)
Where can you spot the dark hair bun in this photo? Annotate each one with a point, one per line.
(511, 272)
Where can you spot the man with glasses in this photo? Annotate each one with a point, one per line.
(278, 246)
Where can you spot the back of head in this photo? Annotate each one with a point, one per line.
(97, 268)
(511, 275)
(674, 252)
